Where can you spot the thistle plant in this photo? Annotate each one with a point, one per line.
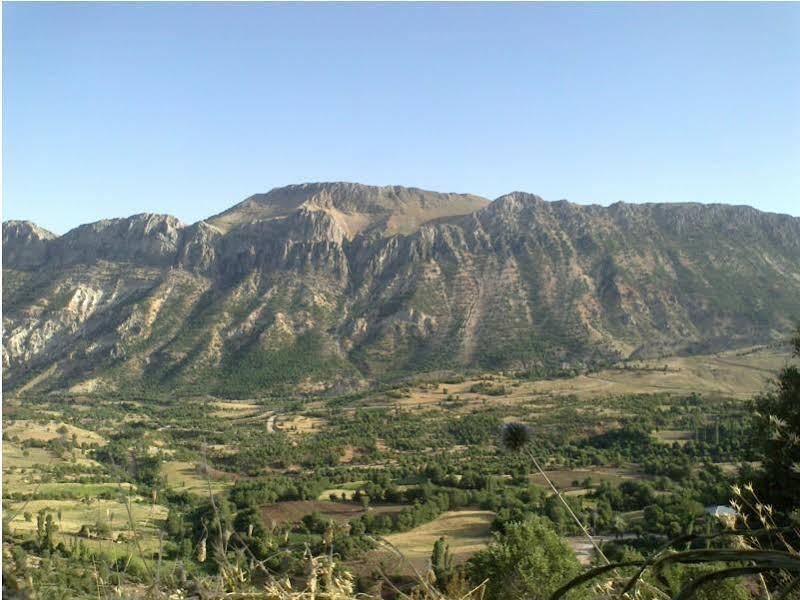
(517, 438)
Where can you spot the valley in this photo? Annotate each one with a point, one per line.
(377, 477)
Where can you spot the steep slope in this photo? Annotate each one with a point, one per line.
(325, 285)
(25, 243)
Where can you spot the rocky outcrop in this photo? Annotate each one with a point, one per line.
(25, 244)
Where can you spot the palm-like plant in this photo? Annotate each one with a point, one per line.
(751, 561)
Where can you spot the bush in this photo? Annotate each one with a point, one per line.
(490, 389)
(527, 560)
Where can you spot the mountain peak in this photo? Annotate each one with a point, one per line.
(24, 243)
(26, 230)
(355, 207)
(142, 223)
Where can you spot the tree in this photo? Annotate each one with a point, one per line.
(653, 517)
(102, 528)
(527, 560)
(442, 563)
(251, 527)
(777, 431)
(619, 525)
(45, 529)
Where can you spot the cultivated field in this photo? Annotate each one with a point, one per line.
(33, 430)
(72, 515)
(466, 531)
(190, 477)
(572, 479)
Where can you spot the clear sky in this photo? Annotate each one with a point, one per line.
(116, 109)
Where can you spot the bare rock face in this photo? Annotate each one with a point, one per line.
(326, 284)
(25, 243)
(198, 247)
(140, 239)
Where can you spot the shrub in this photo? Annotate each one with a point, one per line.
(527, 560)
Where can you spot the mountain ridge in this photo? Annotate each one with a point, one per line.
(17, 223)
(329, 285)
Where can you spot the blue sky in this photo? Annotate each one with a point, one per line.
(116, 109)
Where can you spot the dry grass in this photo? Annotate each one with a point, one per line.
(348, 455)
(14, 456)
(299, 424)
(76, 513)
(730, 468)
(223, 448)
(326, 495)
(235, 410)
(186, 476)
(31, 430)
(669, 436)
(23, 469)
(563, 479)
(348, 488)
(734, 374)
(466, 531)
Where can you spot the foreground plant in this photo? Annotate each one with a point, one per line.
(323, 582)
(738, 563)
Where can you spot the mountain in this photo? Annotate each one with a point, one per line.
(325, 286)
